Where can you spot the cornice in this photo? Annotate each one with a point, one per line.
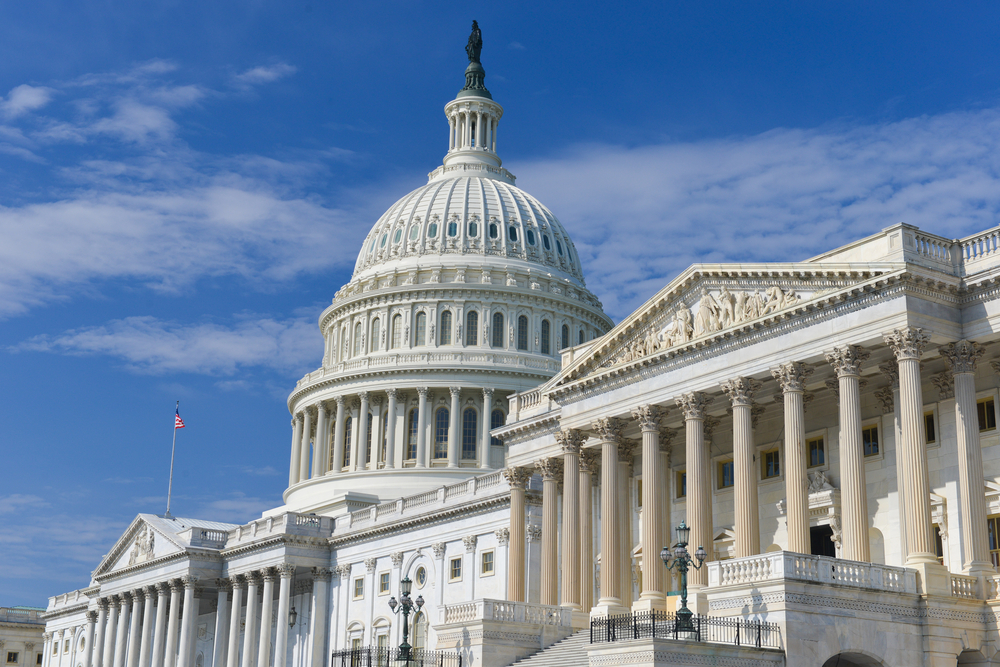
(520, 431)
(279, 540)
(189, 553)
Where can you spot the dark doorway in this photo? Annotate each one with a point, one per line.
(821, 541)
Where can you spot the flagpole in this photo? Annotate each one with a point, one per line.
(170, 484)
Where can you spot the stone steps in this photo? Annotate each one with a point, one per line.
(568, 652)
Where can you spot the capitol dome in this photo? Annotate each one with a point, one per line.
(464, 292)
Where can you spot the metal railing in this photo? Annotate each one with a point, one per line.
(375, 656)
(663, 625)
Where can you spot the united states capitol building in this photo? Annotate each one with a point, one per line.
(826, 428)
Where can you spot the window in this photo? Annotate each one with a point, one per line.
(559, 247)
(546, 335)
(993, 531)
(938, 544)
(419, 631)
(512, 233)
(727, 474)
(564, 343)
(929, 431)
(348, 432)
(421, 577)
(545, 242)
(522, 332)
(452, 228)
(581, 338)
(473, 229)
(411, 434)
(66, 646)
(445, 336)
(987, 414)
(357, 339)
(494, 230)
(359, 588)
(455, 569)
(383, 583)
(682, 484)
(441, 419)
(381, 244)
(376, 330)
(496, 421)
(432, 230)
(38, 659)
(470, 429)
(816, 452)
(531, 237)
(374, 240)
(770, 465)
(497, 330)
(397, 331)
(421, 329)
(869, 438)
(397, 236)
(486, 563)
(12, 657)
(472, 328)
(638, 493)
(414, 232)
(368, 440)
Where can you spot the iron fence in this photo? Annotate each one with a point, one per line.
(663, 625)
(374, 656)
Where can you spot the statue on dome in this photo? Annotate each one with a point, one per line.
(475, 45)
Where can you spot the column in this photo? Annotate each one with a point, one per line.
(469, 566)
(88, 655)
(121, 634)
(588, 466)
(390, 429)
(321, 455)
(321, 598)
(570, 440)
(792, 379)
(285, 571)
(740, 391)
(847, 361)
(237, 583)
(159, 632)
(653, 594)
(266, 610)
(666, 437)
(170, 645)
(109, 634)
(517, 478)
(360, 449)
(454, 429)
(551, 471)
(250, 626)
(609, 430)
(962, 358)
(699, 481)
(221, 642)
(484, 449)
(891, 372)
(102, 621)
(133, 636)
(337, 462)
(293, 467)
(189, 622)
(496, 124)
(307, 422)
(626, 461)
(422, 428)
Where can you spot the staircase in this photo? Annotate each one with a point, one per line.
(569, 652)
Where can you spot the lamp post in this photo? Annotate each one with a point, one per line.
(405, 605)
(682, 561)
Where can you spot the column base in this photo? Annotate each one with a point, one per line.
(932, 577)
(581, 620)
(980, 568)
(650, 604)
(608, 607)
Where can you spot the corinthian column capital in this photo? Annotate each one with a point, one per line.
(693, 405)
(589, 461)
(792, 376)
(550, 469)
(609, 429)
(570, 440)
(847, 360)
(962, 356)
(517, 477)
(740, 390)
(907, 343)
(649, 416)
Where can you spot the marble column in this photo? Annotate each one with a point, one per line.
(110, 632)
(293, 467)
(962, 358)
(189, 623)
(146, 631)
(891, 372)
(173, 615)
(359, 449)
(121, 634)
(285, 571)
(455, 429)
(422, 428)
(321, 454)
(626, 462)
(266, 611)
(159, 632)
(237, 582)
(666, 438)
(570, 441)
(484, 448)
(740, 391)
(250, 626)
(88, 655)
(588, 467)
(390, 429)
(337, 460)
(101, 630)
(609, 430)
(551, 472)
(699, 481)
(847, 361)
(132, 660)
(321, 622)
(221, 640)
(376, 442)
(792, 378)
(517, 478)
(653, 594)
(307, 424)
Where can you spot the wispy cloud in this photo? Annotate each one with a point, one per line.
(516, 46)
(263, 74)
(25, 98)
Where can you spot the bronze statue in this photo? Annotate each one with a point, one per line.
(475, 45)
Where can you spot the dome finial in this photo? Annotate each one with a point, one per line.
(474, 73)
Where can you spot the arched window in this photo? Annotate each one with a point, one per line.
(357, 339)
(421, 329)
(564, 343)
(582, 341)
(368, 440)
(546, 337)
(411, 434)
(419, 631)
(348, 432)
(472, 328)
(445, 336)
(470, 430)
(397, 331)
(441, 423)
(497, 330)
(496, 421)
(344, 344)
(385, 421)
(376, 330)
(522, 332)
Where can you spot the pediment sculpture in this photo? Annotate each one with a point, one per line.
(818, 481)
(142, 548)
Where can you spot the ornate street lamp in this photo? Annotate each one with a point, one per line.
(682, 561)
(407, 606)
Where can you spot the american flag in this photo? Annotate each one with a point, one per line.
(178, 422)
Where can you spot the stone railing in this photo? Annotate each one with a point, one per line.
(820, 569)
(21, 615)
(393, 510)
(963, 586)
(502, 611)
(289, 523)
(81, 596)
(966, 255)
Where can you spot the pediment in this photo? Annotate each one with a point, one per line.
(707, 303)
(142, 542)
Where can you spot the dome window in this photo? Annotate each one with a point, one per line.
(531, 237)
(445, 335)
(453, 228)
(545, 242)
(494, 230)
(397, 236)
(421, 329)
(374, 241)
(512, 233)
(522, 333)
(414, 232)
(559, 247)
(432, 230)
(546, 337)
(381, 244)
(497, 330)
(473, 229)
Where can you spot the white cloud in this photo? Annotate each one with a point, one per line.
(516, 46)
(17, 502)
(263, 74)
(149, 345)
(25, 98)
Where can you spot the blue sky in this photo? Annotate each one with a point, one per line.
(184, 186)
